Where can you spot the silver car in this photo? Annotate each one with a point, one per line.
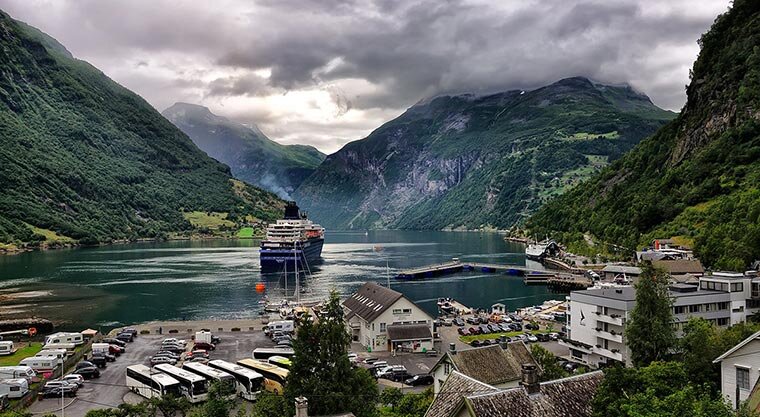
(162, 359)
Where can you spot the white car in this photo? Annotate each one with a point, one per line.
(162, 359)
(553, 336)
(353, 357)
(74, 379)
(173, 340)
(380, 364)
(531, 338)
(389, 370)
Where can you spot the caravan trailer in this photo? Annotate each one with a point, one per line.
(41, 364)
(62, 337)
(58, 353)
(67, 346)
(6, 348)
(14, 388)
(12, 372)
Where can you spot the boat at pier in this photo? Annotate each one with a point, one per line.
(293, 240)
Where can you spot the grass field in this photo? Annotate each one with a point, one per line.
(212, 220)
(51, 236)
(20, 354)
(468, 339)
(245, 233)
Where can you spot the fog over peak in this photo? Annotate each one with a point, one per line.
(327, 72)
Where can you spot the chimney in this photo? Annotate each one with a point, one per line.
(302, 407)
(453, 348)
(530, 378)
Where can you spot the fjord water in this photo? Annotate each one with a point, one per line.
(121, 284)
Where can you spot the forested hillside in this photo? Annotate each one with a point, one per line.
(698, 177)
(251, 155)
(468, 161)
(84, 159)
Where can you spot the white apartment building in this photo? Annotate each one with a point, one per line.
(383, 319)
(597, 317)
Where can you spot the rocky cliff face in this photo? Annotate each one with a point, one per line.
(478, 161)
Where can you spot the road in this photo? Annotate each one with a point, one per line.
(109, 390)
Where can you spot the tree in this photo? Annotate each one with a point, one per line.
(217, 404)
(398, 404)
(551, 368)
(321, 371)
(649, 332)
(270, 405)
(699, 346)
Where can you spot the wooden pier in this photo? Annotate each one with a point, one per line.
(567, 283)
(531, 274)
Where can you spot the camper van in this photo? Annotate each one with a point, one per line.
(14, 388)
(12, 372)
(6, 348)
(285, 326)
(66, 346)
(41, 364)
(75, 338)
(58, 353)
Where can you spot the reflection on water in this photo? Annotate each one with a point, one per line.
(216, 279)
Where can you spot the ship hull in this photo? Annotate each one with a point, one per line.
(275, 259)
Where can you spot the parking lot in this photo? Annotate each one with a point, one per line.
(109, 390)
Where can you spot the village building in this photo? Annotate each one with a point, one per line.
(617, 272)
(739, 370)
(380, 318)
(463, 396)
(495, 365)
(679, 268)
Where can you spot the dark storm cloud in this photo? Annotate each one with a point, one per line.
(376, 56)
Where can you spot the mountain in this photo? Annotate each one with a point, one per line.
(465, 161)
(697, 178)
(84, 159)
(251, 155)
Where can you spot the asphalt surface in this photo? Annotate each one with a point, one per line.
(109, 390)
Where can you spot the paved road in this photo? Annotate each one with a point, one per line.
(109, 390)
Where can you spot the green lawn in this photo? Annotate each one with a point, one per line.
(468, 339)
(20, 354)
(51, 236)
(212, 220)
(245, 233)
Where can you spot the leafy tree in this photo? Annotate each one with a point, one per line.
(217, 404)
(270, 405)
(649, 331)
(321, 371)
(405, 405)
(699, 345)
(548, 362)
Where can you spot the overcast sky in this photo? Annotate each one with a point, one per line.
(326, 72)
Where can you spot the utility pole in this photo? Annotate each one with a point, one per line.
(62, 390)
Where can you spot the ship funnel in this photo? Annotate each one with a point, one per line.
(291, 211)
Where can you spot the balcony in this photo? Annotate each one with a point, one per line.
(618, 356)
(612, 335)
(614, 319)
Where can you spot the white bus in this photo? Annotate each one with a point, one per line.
(249, 382)
(227, 382)
(195, 387)
(263, 354)
(149, 384)
(62, 337)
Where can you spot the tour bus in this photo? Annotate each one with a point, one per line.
(149, 384)
(274, 376)
(195, 387)
(263, 354)
(226, 381)
(62, 337)
(281, 361)
(6, 348)
(41, 364)
(12, 372)
(248, 382)
(14, 388)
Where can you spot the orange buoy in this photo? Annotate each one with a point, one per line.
(260, 287)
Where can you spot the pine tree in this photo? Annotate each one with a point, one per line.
(649, 332)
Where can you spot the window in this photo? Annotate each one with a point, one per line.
(723, 321)
(742, 378)
(755, 290)
(694, 308)
(15, 388)
(373, 327)
(396, 311)
(679, 310)
(382, 327)
(446, 368)
(737, 287)
(723, 305)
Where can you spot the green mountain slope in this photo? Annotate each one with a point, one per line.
(472, 162)
(251, 155)
(82, 158)
(698, 177)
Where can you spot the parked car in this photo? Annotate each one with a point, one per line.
(485, 342)
(423, 379)
(531, 338)
(60, 383)
(542, 337)
(472, 320)
(162, 359)
(198, 359)
(285, 343)
(484, 329)
(505, 327)
(88, 372)
(115, 350)
(130, 330)
(531, 326)
(175, 341)
(167, 353)
(474, 330)
(493, 327)
(198, 354)
(476, 343)
(462, 331)
(74, 379)
(113, 341)
(107, 356)
(399, 376)
(459, 322)
(204, 346)
(370, 360)
(447, 322)
(125, 337)
(554, 336)
(571, 366)
(68, 390)
(377, 365)
(515, 317)
(98, 360)
(516, 327)
(388, 371)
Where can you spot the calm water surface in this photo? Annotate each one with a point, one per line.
(123, 284)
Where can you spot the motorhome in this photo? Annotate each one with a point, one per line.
(14, 388)
(58, 353)
(6, 348)
(101, 348)
(41, 364)
(11, 372)
(285, 326)
(67, 346)
(63, 337)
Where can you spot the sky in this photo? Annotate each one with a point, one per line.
(328, 72)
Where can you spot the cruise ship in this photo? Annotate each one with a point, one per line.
(293, 242)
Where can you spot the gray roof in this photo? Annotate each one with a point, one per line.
(491, 364)
(452, 393)
(629, 293)
(371, 300)
(399, 332)
(622, 269)
(568, 397)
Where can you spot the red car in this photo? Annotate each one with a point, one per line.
(204, 346)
